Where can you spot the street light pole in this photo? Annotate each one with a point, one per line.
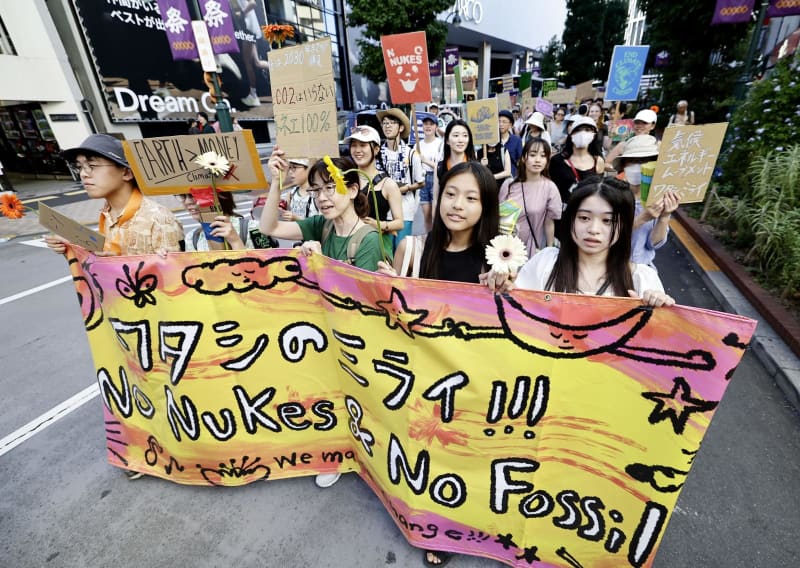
(222, 110)
(456, 20)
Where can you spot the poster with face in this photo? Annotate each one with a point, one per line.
(142, 82)
(407, 69)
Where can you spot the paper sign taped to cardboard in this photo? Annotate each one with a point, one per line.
(304, 99)
(70, 229)
(503, 101)
(686, 161)
(165, 165)
(482, 119)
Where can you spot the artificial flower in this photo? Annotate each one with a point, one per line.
(11, 206)
(215, 163)
(336, 175)
(277, 33)
(506, 254)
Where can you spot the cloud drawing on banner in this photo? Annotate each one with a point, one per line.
(240, 275)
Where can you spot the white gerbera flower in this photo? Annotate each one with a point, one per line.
(506, 253)
(215, 163)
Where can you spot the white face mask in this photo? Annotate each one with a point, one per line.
(633, 173)
(582, 139)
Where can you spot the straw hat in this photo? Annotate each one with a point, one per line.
(399, 115)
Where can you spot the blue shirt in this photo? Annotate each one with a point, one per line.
(514, 147)
(643, 251)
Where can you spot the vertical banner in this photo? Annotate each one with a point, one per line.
(219, 21)
(451, 59)
(686, 161)
(780, 8)
(732, 11)
(177, 23)
(625, 73)
(407, 72)
(483, 121)
(435, 68)
(304, 99)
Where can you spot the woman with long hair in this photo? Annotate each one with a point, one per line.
(581, 157)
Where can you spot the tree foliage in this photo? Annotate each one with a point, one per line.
(400, 16)
(590, 33)
(704, 60)
(550, 57)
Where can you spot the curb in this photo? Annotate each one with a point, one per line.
(776, 342)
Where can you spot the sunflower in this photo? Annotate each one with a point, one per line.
(506, 253)
(11, 206)
(215, 163)
(336, 175)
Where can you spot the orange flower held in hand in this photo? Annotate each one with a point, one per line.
(11, 206)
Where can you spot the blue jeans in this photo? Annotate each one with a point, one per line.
(426, 193)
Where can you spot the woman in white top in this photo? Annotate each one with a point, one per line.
(595, 252)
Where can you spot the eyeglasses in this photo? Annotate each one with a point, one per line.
(184, 197)
(328, 189)
(86, 167)
(390, 123)
(295, 166)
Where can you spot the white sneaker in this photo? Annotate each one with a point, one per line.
(327, 479)
(251, 100)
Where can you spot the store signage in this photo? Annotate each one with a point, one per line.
(63, 117)
(471, 10)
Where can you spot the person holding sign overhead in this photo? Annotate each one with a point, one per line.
(130, 223)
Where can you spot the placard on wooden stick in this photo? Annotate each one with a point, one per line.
(165, 165)
(482, 120)
(686, 161)
(304, 99)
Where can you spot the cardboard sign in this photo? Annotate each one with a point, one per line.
(165, 165)
(584, 90)
(686, 161)
(545, 107)
(70, 229)
(304, 99)
(503, 101)
(562, 96)
(625, 72)
(482, 120)
(407, 69)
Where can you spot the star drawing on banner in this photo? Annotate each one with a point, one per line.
(399, 315)
(677, 407)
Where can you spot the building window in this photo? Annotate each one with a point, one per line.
(6, 45)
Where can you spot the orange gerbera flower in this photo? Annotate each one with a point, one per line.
(11, 206)
(277, 33)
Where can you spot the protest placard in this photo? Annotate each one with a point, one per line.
(584, 91)
(686, 161)
(70, 229)
(544, 106)
(165, 165)
(486, 424)
(482, 119)
(407, 69)
(562, 96)
(304, 99)
(625, 72)
(503, 101)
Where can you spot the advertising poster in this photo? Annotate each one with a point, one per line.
(141, 80)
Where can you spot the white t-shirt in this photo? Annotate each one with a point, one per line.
(430, 151)
(534, 274)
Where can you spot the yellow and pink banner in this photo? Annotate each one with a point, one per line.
(532, 428)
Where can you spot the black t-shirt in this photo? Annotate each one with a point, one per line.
(563, 175)
(461, 266)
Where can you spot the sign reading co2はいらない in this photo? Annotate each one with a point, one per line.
(304, 99)
(165, 165)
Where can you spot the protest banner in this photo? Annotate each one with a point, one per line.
(562, 96)
(70, 229)
(304, 99)
(490, 425)
(625, 72)
(407, 71)
(503, 101)
(165, 165)
(545, 107)
(483, 121)
(584, 90)
(686, 161)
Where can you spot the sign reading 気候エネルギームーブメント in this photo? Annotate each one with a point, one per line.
(165, 165)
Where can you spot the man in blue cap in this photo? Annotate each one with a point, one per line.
(509, 140)
(130, 223)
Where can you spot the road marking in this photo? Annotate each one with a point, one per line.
(79, 192)
(35, 243)
(40, 199)
(9, 299)
(706, 262)
(47, 419)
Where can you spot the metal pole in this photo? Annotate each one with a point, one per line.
(741, 85)
(222, 110)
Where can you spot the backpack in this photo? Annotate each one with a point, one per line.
(353, 244)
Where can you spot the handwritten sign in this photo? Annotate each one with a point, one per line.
(686, 161)
(625, 72)
(562, 96)
(407, 70)
(491, 428)
(503, 101)
(483, 121)
(584, 90)
(165, 165)
(304, 99)
(545, 107)
(70, 229)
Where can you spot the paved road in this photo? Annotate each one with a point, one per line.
(64, 506)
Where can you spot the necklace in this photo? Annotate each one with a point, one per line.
(345, 242)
